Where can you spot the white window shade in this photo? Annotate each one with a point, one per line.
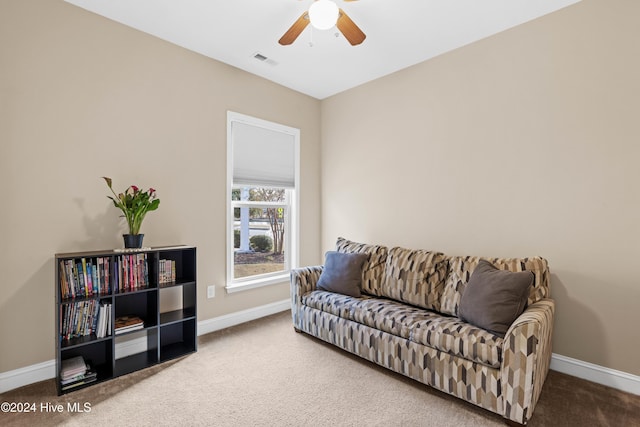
(262, 157)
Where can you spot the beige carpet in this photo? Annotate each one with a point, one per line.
(264, 374)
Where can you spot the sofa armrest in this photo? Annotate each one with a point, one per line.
(526, 355)
(303, 281)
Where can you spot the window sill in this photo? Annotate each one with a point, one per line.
(258, 283)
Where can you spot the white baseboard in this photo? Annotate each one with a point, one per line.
(46, 370)
(43, 371)
(222, 322)
(27, 375)
(596, 373)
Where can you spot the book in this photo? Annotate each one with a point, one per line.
(129, 329)
(100, 332)
(124, 321)
(81, 286)
(109, 320)
(73, 367)
(64, 285)
(124, 324)
(89, 374)
(90, 284)
(103, 321)
(77, 384)
(84, 276)
(116, 274)
(94, 278)
(86, 377)
(68, 274)
(107, 275)
(103, 277)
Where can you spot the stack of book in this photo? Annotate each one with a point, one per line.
(83, 318)
(76, 372)
(84, 277)
(131, 272)
(167, 273)
(127, 324)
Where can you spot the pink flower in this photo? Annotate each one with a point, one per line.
(135, 189)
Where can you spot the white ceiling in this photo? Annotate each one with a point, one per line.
(399, 33)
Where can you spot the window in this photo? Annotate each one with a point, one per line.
(262, 201)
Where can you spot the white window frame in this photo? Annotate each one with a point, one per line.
(292, 231)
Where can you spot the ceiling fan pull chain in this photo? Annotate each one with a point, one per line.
(311, 37)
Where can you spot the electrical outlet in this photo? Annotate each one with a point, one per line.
(211, 291)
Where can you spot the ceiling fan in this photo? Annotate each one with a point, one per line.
(324, 14)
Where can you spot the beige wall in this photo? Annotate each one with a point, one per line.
(525, 143)
(82, 97)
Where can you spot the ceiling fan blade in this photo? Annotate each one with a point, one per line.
(294, 31)
(349, 29)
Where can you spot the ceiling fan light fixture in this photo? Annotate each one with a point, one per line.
(323, 14)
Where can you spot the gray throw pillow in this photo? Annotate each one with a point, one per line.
(342, 273)
(494, 298)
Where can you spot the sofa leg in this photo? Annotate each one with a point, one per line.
(297, 330)
(512, 423)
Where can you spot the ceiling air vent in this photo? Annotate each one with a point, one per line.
(260, 57)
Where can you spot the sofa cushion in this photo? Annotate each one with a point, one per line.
(389, 316)
(342, 273)
(494, 298)
(456, 337)
(416, 277)
(337, 304)
(460, 269)
(372, 268)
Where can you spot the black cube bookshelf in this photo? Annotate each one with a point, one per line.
(95, 288)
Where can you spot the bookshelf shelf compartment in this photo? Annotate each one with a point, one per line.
(135, 362)
(175, 350)
(125, 333)
(95, 288)
(180, 282)
(177, 339)
(98, 354)
(81, 341)
(177, 316)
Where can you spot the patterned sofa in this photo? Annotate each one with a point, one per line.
(406, 320)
